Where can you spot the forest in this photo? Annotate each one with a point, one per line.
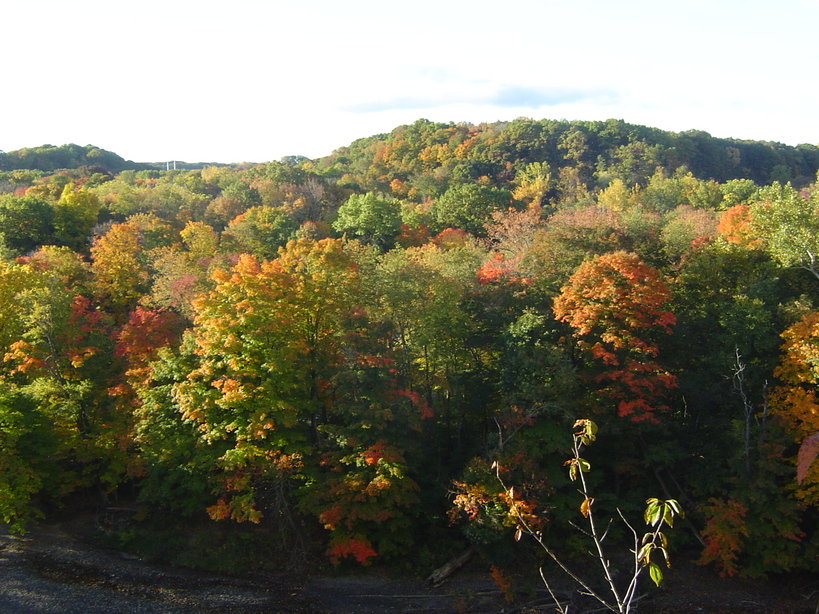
(332, 360)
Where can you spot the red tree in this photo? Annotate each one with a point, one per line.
(616, 305)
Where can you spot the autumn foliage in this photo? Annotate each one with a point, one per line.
(724, 535)
(735, 225)
(324, 356)
(794, 400)
(615, 306)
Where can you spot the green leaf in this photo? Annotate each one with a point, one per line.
(675, 507)
(652, 513)
(668, 515)
(656, 573)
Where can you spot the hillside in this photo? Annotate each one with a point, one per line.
(398, 353)
(437, 151)
(49, 158)
(597, 151)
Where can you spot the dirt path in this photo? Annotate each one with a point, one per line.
(48, 571)
(51, 572)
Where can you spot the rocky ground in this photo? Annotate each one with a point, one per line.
(50, 571)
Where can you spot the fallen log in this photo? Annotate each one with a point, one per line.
(453, 565)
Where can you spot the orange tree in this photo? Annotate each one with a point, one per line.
(616, 305)
(794, 400)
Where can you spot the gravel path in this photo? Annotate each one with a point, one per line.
(48, 571)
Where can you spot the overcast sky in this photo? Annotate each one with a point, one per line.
(255, 80)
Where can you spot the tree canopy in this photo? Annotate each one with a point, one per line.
(336, 351)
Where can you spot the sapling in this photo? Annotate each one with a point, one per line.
(658, 514)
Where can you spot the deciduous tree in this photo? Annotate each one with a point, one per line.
(616, 305)
(795, 400)
(370, 218)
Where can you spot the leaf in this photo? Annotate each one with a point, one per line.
(652, 513)
(518, 534)
(675, 507)
(668, 515)
(644, 554)
(585, 507)
(807, 454)
(656, 573)
(588, 432)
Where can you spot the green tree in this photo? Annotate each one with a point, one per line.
(736, 192)
(26, 222)
(789, 225)
(468, 207)
(370, 218)
(260, 231)
(684, 228)
(23, 452)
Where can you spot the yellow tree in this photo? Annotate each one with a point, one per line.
(276, 339)
(120, 260)
(532, 183)
(795, 400)
(75, 213)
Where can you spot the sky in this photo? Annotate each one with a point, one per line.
(255, 80)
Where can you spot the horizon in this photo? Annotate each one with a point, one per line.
(262, 79)
(238, 162)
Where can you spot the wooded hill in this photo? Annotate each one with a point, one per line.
(599, 151)
(608, 149)
(324, 358)
(48, 158)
